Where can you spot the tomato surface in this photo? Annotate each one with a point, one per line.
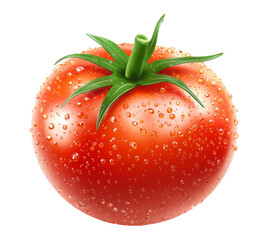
(156, 154)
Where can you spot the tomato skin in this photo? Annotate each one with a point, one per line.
(156, 154)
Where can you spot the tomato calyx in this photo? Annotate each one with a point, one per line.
(131, 71)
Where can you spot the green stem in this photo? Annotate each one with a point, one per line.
(136, 60)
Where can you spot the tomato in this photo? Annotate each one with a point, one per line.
(156, 153)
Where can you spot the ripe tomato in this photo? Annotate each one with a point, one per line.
(156, 153)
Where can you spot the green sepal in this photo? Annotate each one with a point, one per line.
(100, 61)
(118, 89)
(160, 78)
(158, 65)
(153, 41)
(122, 82)
(113, 49)
(92, 85)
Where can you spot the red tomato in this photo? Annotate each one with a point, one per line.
(156, 153)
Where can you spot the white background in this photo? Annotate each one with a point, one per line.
(36, 33)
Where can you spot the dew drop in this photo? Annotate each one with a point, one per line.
(133, 145)
(134, 123)
(79, 69)
(48, 138)
(125, 106)
(172, 116)
(143, 130)
(151, 111)
(201, 81)
(220, 131)
(169, 110)
(75, 157)
(67, 116)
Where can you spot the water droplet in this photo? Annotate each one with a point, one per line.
(172, 116)
(64, 127)
(211, 122)
(51, 126)
(235, 122)
(133, 145)
(125, 106)
(115, 209)
(45, 116)
(220, 131)
(112, 120)
(175, 144)
(48, 138)
(169, 110)
(134, 123)
(77, 143)
(75, 157)
(67, 116)
(161, 115)
(102, 161)
(217, 110)
(172, 133)
(80, 115)
(145, 161)
(79, 69)
(201, 81)
(109, 205)
(150, 110)
(143, 130)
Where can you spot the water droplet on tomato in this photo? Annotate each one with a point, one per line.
(201, 81)
(133, 145)
(143, 130)
(125, 106)
(150, 110)
(172, 116)
(75, 157)
(161, 115)
(162, 89)
(48, 138)
(169, 110)
(51, 126)
(134, 123)
(67, 116)
(220, 131)
(145, 161)
(79, 69)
